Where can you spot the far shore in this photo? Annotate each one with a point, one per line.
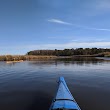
(19, 58)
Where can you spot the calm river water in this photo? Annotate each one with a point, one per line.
(31, 85)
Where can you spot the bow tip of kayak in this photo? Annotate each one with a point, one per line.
(61, 78)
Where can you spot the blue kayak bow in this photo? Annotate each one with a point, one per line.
(63, 99)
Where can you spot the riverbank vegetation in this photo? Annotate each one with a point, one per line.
(73, 52)
(52, 54)
(24, 57)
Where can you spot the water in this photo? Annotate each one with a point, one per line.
(31, 85)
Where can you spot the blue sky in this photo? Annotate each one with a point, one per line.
(53, 24)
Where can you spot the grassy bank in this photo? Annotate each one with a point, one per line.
(107, 54)
(42, 57)
(23, 57)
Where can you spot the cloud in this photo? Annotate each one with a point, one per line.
(74, 44)
(59, 21)
(76, 25)
(97, 29)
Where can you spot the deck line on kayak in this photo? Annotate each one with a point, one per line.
(63, 98)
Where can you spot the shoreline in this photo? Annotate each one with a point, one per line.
(19, 58)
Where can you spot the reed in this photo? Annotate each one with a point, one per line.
(106, 54)
(23, 57)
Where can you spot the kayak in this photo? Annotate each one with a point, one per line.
(63, 99)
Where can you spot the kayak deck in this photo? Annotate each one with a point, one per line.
(63, 99)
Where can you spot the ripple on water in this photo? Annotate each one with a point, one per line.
(29, 85)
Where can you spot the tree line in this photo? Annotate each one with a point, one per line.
(70, 52)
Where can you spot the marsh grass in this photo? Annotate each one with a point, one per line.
(23, 57)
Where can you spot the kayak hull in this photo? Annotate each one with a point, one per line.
(63, 98)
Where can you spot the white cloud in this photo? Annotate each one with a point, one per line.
(23, 48)
(59, 21)
(72, 45)
(97, 29)
(76, 25)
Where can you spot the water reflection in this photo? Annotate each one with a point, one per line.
(66, 61)
(31, 85)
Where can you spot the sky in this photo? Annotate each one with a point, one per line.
(53, 24)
